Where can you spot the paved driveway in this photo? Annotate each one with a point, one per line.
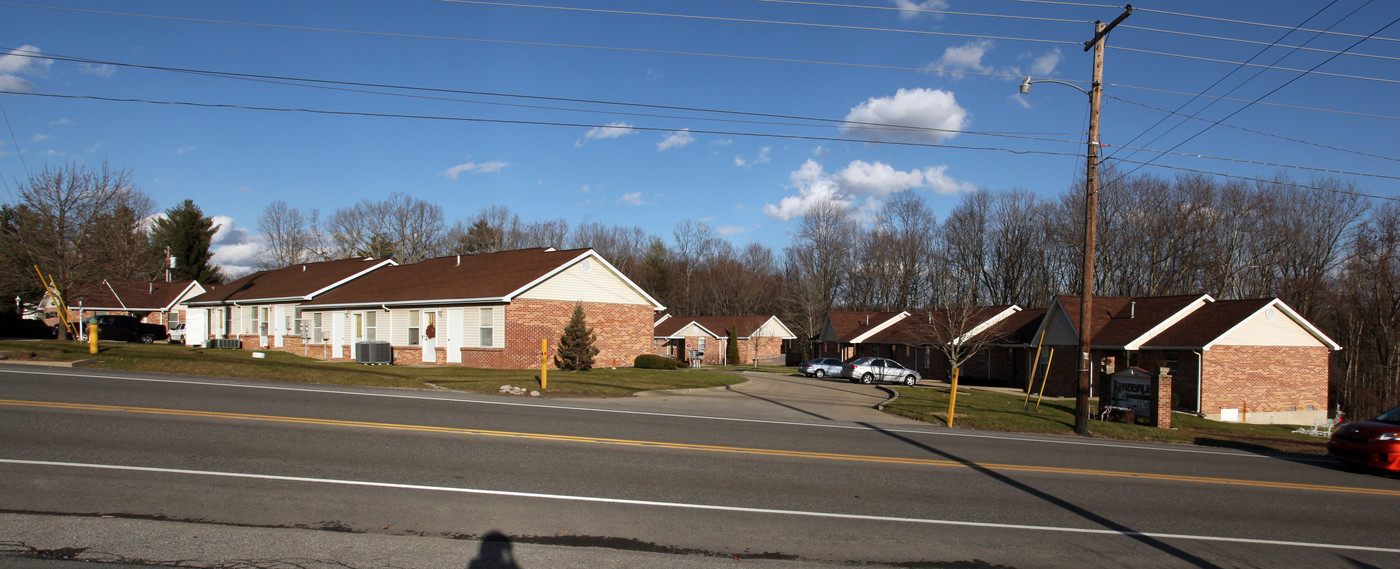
(772, 397)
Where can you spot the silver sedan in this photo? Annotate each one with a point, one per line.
(871, 370)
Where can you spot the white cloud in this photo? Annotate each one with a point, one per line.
(23, 61)
(40, 138)
(612, 130)
(765, 155)
(12, 83)
(235, 248)
(12, 65)
(860, 183)
(634, 198)
(1046, 64)
(101, 70)
(473, 167)
(933, 115)
(966, 57)
(184, 149)
(909, 9)
(729, 230)
(586, 188)
(676, 139)
(61, 122)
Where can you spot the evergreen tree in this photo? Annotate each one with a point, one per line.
(188, 234)
(731, 350)
(576, 348)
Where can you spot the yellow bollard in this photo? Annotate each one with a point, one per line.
(953, 397)
(92, 338)
(544, 363)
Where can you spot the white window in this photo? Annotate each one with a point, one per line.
(488, 328)
(369, 326)
(318, 334)
(250, 326)
(413, 327)
(262, 321)
(702, 344)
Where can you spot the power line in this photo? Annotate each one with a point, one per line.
(637, 128)
(1258, 42)
(1253, 179)
(1258, 132)
(1265, 103)
(924, 11)
(531, 123)
(684, 53)
(752, 21)
(1246, 22)
(1246, 64)
(344, 86)
(1222, 78)
(1275, 90)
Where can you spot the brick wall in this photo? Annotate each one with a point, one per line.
(1271, 382)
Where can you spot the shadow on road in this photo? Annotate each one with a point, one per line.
(496, 553)
(780, 404)
(1058, 502)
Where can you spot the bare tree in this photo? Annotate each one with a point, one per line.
(958, 332)
(289, 236)
(400, 227)
(817, 263)
(80, 224)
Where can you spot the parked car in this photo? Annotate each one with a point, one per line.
(871, 370)
(820, 367)
(128, 328)
(1374, 443)
(177, 333)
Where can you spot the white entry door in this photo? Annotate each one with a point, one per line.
(196, 326)
(453, 340)
(337, 334)
(430, 334)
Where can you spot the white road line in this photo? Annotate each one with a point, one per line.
(946, 433)
(682, 505)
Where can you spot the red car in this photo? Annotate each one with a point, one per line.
(1374, 443)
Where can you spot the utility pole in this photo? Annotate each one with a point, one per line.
(1091, 219)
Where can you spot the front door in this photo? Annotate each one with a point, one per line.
(429, 337)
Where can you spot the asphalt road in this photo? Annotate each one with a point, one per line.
(781, 471)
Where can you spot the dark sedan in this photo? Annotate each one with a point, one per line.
(1374, 443)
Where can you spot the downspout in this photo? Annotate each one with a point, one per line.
(1200, 385)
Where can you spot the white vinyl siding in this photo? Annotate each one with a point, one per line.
(1258, 330)
(597, 284)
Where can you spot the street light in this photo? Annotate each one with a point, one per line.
(1091, 206)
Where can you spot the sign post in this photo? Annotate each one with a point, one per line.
(544, 363)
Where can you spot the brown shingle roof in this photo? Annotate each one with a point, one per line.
(138, 296)
(719, 325)
(295, 282)
(923, 327)
(454, 278)
(850, 325)
(1118, 320)
(1208, 323)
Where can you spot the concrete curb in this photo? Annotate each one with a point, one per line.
(76, 363)
(893, 395)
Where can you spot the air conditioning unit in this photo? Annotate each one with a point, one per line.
(374, 353)
(224, 344)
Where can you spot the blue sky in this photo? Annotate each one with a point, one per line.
(509, 119)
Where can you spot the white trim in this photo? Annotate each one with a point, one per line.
(879, 328)
(1294, 316)
(998, 317)
(664, 317)
(589, 253)
(1167, 322)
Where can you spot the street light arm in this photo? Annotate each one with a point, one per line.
(1026, 85)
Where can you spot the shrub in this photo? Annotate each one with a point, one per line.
(653, 361)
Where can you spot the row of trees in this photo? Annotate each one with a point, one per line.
(81, 224)
(1328, 253)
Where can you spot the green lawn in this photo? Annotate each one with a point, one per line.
(996, 411)
(977, 409)
(282, 366)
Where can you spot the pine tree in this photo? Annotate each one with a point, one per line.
(731, 350)
(576, 348)
(188, 234)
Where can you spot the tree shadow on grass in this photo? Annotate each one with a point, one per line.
(1057, 502)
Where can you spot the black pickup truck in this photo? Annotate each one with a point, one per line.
(128, 328)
